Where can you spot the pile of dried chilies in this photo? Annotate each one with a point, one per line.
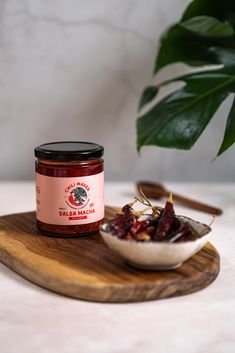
(160, 225)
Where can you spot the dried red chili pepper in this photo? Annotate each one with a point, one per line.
(166, 220)
(121, 223)
(167, 227)
(139, 226)
(129, 216)
(184, 233)
(117, 225)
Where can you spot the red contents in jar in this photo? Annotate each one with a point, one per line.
(69, 192)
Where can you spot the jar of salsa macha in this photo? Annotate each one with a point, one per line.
(69, 188)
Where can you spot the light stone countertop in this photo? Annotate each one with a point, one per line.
(35, 320)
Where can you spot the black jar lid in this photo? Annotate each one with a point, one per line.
(66, 151)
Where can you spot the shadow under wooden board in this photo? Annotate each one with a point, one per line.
(87, 269)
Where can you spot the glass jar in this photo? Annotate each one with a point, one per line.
(69, 188)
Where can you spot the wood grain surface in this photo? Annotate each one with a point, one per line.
(85, 268)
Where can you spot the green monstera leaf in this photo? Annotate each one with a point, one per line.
(204, 36)
(229, 131)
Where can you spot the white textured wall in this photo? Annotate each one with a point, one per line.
(74, 69)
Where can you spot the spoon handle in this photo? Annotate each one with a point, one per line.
(197, 205)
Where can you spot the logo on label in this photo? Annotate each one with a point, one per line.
(77, 198)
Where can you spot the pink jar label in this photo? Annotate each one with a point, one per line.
(70, 201)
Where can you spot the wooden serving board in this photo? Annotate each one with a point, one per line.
(85, 268)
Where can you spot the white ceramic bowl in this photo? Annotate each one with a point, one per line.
(157, 255)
